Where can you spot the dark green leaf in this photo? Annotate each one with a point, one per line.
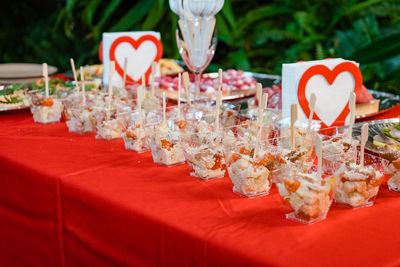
(228, 14)
(379, 50)
(133, 16)
(154, 16)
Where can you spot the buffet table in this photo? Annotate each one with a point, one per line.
(72, 200)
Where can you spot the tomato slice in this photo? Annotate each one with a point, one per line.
(166, 144)
(182, 124)
(291, 186)
(129, 134)
(244, 151)
(217, 164)
(48, 102)
(377, 182)
(235, 157)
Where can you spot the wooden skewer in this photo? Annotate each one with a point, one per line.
(318, 152)
(364, 138)
(352, 107)
(153, 76)
(125, 69)
(220, 79)
(46, 78)
(83, 87)
(259, 93)
(179, 96)
(110, 76)
(312, 102)
(259, 98)
(186, 83)
(218, 102)
(260, 120)
(74, 73)
(293, 119)
(139, 100)
(164, 108)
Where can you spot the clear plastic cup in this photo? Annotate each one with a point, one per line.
(81, 120)
(203, 150)
(45, 110)
(394, 181)
(109, 123)
(165, 144)
(306, 197)
(392, 170)
(137, 135)
(337, 141)
(358, 185)
(249, 163)
(303, 138)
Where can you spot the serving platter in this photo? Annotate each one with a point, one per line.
(267, 80)
(386, 101)
(374, 128)
(22, 72)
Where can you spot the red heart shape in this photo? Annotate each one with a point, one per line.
(135, 44)
(330, 76)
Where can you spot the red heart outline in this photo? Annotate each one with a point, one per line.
(135, 44)
(330, 76)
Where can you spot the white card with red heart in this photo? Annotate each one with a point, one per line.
(331, 80)
(140, 48)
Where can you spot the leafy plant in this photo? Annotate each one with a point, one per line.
(253, 35)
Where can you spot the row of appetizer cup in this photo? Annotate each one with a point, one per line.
(255, 155)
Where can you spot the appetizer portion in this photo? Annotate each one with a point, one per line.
(81, 120)
(358, 185)
(393, 169)
(249, 162)
(307, 196)
(14, 96)
(109, 124)
(249, 175)
(137, 135)
(45, 110)
(165, 146)
(390, 136)
(203, 150)
(136, 138)
(340, 144)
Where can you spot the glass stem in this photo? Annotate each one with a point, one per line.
(197, 76)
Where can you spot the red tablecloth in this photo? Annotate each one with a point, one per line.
(72, 200)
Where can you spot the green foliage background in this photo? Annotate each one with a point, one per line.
(253, 35)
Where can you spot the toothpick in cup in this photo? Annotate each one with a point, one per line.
(186, 83)
(153, 76)
(260, 123)
(352, 107)
(125, 68)
(293, 119)
(311, 105)
(219, 79)
(218, 102)
(139, 100)
(164, 108)
(318, 152)
(83, 87)
(110, 75)
(364, 138)
(74, 73)
(46, 78)
(259, 97)
(179, 96)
